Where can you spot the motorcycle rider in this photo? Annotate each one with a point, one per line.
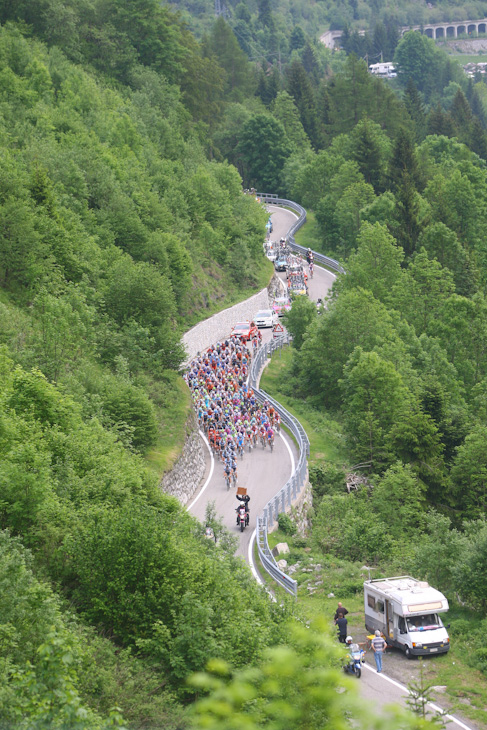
(352, 649)
(245, 499)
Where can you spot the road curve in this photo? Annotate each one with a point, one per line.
(322, 281)
(264, 474)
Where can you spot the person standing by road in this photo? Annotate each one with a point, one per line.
(342, 624)
(340, 610)
(378, 647)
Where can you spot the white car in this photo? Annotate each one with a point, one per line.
(266, 318)
(271, 254)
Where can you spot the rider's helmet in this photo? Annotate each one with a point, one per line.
(348, 640)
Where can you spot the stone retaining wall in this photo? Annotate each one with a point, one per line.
(300, 511)
(185, 477)
(219, 326)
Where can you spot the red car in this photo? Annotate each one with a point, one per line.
(244, 331)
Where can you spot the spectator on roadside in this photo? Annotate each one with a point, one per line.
(340, 610)
(378, 647)
(342, 624)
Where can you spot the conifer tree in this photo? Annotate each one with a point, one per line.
(438, 122)
(297, 39)
(461, 114)
(404, 161)
(323, 115)
(408, 226)
(368, 153)
(477, 108)
(310, 64)
(415, 107)
(478, 139)
(265, 14)
(299, 87)
(224, 45)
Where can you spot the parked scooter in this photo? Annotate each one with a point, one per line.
(356, 658)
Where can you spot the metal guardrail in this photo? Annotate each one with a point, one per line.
(290, 491)
(319, 258)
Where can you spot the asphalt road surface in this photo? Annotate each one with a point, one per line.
(263, 474)
(322, 281)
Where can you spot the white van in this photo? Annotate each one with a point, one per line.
(407, 611)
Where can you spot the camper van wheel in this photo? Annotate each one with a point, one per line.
(407, 652)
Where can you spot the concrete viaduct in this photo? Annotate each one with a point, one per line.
(432, 30)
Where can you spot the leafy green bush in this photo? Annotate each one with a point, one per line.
(286, 524)
(327, 479)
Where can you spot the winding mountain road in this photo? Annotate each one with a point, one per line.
(264, 474)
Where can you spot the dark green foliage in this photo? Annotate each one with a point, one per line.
(370, 153)
(355, 93)
(299, 87)
(298, 38)
(115, 211)
(347, 527)
(326, 479)
(223, 44)
(298, 319)
(40, 655)
(262, 149)
(134, 573)
(418, 59)
(286, 524)
(416, 110)
(404, 162)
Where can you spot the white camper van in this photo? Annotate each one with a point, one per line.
(406, 611)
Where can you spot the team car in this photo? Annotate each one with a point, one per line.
(265, 318)
(244, 331)
(281, 305)
(280, 264)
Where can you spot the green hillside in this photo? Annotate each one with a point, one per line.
(125, 142)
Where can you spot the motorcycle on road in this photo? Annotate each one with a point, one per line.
(355, 660)
(242, 517)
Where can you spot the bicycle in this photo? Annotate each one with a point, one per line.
(234, 478)
(263, 441)
(227, 480)
(271, 444)
(241, 450)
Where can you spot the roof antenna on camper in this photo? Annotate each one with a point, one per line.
(366, 567)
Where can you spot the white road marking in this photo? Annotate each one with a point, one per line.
(254, 534)
(286, 442)
(251, 559)
(212, 466)
(403, 687)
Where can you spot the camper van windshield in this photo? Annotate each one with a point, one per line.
(423, 623)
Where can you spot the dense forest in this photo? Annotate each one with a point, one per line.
(125, 141)
(314, 18)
